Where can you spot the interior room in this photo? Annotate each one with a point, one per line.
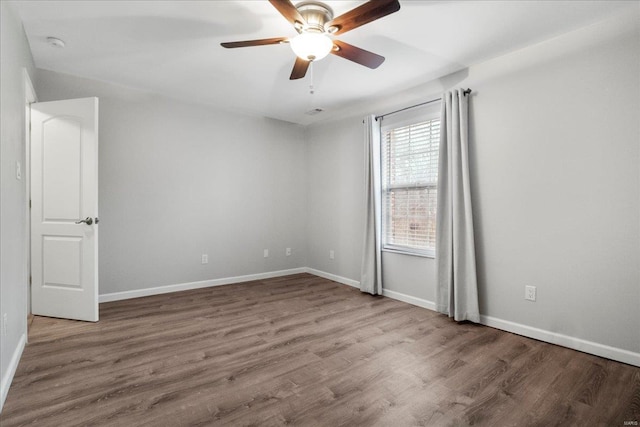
(254, 262)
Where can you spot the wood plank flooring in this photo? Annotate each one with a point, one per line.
(302, 350)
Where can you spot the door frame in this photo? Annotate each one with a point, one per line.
(30, 97)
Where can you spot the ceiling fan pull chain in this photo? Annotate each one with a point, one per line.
(311, 90)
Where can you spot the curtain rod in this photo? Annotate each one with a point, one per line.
(466, 92)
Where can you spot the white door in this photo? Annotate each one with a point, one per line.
(64, 209)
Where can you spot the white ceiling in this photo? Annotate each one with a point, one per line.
(173, 47)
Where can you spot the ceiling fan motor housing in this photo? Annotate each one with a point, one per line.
(316, 14)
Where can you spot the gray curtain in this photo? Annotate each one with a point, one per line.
(371, 270)
(457, 289)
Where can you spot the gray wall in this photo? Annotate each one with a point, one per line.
(555, 167)
(14, 56)
(179, 180)
(556, 186)
(335, 163)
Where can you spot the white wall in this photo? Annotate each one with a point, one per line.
(556, 186)
(179, 180)
(14, 57)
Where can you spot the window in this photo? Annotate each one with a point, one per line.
(409, 184)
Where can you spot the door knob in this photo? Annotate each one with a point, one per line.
(88, 220)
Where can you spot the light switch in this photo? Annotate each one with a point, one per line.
(18, 171)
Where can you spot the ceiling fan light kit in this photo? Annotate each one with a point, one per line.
(313, 42)
(311, 46)
(316, 25)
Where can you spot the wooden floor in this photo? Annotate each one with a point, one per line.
(302, 350)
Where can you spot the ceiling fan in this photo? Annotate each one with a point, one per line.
(316, 25)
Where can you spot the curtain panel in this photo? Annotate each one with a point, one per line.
(457, 289)
(371, 268)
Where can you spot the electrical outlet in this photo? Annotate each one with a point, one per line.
(332, 254)
(266, 253)
(530, 293)
(4, 324)
(205, 259)
(287, 252)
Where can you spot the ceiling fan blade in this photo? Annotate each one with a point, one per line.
(355, 54)
(289, 11)
(368, 12)
(261, 42)
(299, 68)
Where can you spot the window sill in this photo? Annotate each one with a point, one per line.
(418, 254)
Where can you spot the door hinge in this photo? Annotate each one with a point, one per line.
(29, 279)
(29, 203)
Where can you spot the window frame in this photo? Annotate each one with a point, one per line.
(411, 117)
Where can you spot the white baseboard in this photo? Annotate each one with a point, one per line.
(585, 346)
(613, 353)
(590, 347)
(385, 292)
(333, 277)
(409, 299)
(11, 370)
(117, 296)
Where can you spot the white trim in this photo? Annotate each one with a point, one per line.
(335, 278)
(426, 254)
(117, 296)
(613, 353)
(429, 305)
(31, 92)
(30, 97)
(578, 344)
(11, 370)
(608, 352)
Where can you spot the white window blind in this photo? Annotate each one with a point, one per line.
(409, 186)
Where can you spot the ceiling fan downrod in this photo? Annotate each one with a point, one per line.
(311, 89)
